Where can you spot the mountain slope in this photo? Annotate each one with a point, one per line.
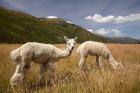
(18, 27)
(72, 30)
(125, 40)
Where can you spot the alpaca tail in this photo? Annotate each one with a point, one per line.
(15, 55)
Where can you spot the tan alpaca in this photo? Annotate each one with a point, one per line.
(44, 54)
(97, 49)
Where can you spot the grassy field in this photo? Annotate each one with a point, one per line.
(67, 78)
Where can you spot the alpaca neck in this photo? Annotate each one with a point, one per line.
(113, 62)
(67, 52)
(111, 58)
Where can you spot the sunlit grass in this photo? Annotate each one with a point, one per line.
(67, 78)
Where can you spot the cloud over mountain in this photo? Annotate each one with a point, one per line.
(106, 32)
(100, 19)
(51, 17)
(114, 19)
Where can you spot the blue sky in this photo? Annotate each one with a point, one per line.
(104, 17)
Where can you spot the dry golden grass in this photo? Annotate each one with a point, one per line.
(67, 78)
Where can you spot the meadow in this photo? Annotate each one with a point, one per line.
(67, 78)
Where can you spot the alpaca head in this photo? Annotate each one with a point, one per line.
(118, 66)
(16, 78)
(70, 42)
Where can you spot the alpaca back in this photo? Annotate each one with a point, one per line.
(100, 49)
(93, 48)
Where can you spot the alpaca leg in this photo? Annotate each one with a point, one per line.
(50, 71)
(99, 63)
(42, 71)
(82, 63)
(47, 67)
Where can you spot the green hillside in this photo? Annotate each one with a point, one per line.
(18, 27)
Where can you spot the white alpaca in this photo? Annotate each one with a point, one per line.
(44, 54)
(96, 49)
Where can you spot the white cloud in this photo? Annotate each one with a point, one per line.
(130, 18)
(69, 22)
(103, 31)
(106, 32)
(90, 30)
(100, 19)
(119, 19)
(51, 17)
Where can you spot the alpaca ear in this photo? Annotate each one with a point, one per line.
(76, 38)
(66, 39)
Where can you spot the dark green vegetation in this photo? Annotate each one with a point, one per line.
(18, 27)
